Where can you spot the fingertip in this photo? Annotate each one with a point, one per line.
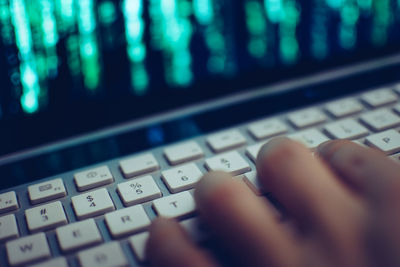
(273, 152)
(209, 184)
(159, 230)
(270, 146)
(159, 224)
(328, 148)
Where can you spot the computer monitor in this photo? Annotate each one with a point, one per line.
(74, 66)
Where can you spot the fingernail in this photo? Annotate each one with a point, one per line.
(324, 148)
(209, 183)
(271, 145)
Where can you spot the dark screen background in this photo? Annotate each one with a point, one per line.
(74, 66)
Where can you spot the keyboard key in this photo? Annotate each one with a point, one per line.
(230, 162)
(397, 109)
(346, 129)
(59, 262)
(45, 217)
(28, 249)
(92, 204)
(185, 152)
(93, 178)
(397, 88)
(127, 221)
(388, 141)
(378, 98)
(107, 255)
(252, 151)
(138, 245)
(174, 206)
(195, 229)
(267, 128)
(344, 107)
(226, 140)
(139, 165)
(310, 138)
(307, 117)
(78, 235)
(380, 120)
(8, 202)
(252, 181)
(138, 191)
(182, 178)
(47, 191)
(8, 227)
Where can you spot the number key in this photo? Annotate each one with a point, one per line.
(138, 190)
(182, 178)
(46, 191)
(93, 178)
(92, 204)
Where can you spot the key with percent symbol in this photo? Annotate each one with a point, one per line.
(138, 191)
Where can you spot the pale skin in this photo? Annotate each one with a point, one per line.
(343, 207)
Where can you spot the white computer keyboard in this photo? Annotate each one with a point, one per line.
(98, 216)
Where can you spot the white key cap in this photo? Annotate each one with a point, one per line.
(346, 129)
(107, 255)
(138, 165)
(92, 204)
(397, 109)
(138, 245)
(8, 202)
(344, 107)
(59, 262)
(195, 229)
(230, 162)
(27, 249)
(381, 120)
(226, 140)
(252, 151)
(174, 206)
(397, 88)
(388, 141)
(127, 221)
(138, 190)
(182, 178)
(45, 217)
(8, 227)
(93, 178)
(252, 181)
(310, 138)
(306, 117)
(267, 128)
(378, 98)
(77, 235)
(47, 191)
(185, 152)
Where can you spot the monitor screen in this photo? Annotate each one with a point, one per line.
(73, 66)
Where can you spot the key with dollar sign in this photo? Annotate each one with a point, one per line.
(91, 201)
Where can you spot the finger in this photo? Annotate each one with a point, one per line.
(169, 246)
(367, 170)
(378, 179)
(244, 223)
(310, 192)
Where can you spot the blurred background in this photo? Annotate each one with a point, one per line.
(73, 66)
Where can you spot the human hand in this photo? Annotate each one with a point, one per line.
(342, 206)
